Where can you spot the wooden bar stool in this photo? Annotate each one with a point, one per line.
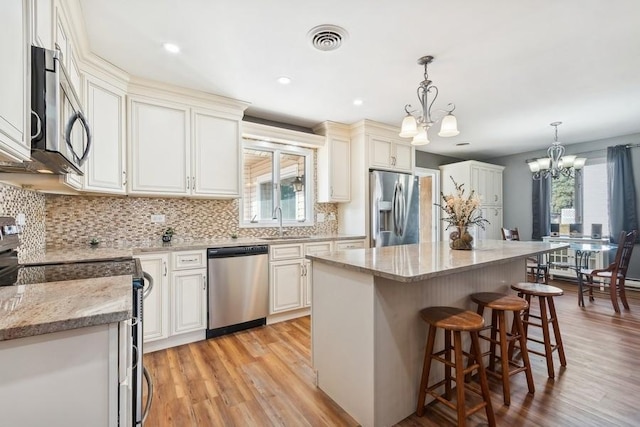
(499, 304)
(454, 321)
(545, 294)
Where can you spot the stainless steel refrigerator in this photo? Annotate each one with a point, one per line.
(395, 208)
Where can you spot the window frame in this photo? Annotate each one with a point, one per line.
(276, 149)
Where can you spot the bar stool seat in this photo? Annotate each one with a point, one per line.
(500, 303)
(453, 321)
(545, 294)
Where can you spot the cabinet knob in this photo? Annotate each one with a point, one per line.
(164, 264)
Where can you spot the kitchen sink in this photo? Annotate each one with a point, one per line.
(285, 238)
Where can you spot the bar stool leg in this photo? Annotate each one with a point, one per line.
(492, 346)
(504, 358)
(523, 349)
(556, 332)
(426, 368)
(459, 379)
(545, 333)
(482, 376)
(447, 368)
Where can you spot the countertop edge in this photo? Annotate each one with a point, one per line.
(63, 325)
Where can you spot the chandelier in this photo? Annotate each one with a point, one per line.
(417, 128)
(556, 164)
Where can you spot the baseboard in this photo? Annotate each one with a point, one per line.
(288, 315)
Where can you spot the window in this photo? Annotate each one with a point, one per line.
(276, 175)
(581, 202)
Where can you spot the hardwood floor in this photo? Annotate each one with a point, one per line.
(263, 377)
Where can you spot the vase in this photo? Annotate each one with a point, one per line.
(461, 239)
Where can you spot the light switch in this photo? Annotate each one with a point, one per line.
(158, 218)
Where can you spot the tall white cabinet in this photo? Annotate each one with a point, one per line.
(486, 180)
(15, 80)
(334, 168)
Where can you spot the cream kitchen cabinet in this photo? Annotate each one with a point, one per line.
(486, 180)
(188, 301)
(175, 312)
(216, 160)
(309, 249)
(42, 23)
(15, 80)
(158, 148)
(334, 164)
(156, 304)
(105, 168)
(342, 245)
(386, 153)
(286, 285)
(64, 43)
(179, 151)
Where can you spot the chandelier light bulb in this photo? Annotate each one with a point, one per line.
(421, 138)
(449, 126)
(409, 127)
(556, 164)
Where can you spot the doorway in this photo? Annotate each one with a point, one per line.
(429, 180)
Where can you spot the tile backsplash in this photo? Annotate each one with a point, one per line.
(74, 220)
(13, 201)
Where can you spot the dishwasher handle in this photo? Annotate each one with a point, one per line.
(236, 251)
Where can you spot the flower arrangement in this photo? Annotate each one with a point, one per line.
(462, 212)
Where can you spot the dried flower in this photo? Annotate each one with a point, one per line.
(462, 211)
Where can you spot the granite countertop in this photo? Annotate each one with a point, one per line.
(27, 310)
(413, 263)
(119, 249)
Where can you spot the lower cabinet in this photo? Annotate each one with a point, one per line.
(188, 301)
(175, 311)
(290, 278)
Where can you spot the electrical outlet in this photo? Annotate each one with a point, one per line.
(320, 217)
(158, 218)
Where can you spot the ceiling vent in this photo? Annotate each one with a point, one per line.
(327, 37)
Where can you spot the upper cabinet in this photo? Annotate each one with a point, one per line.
(215, 159)
(42, 23)
(15, 80)
(334, 168)
(183, 148)
(486, 180)
(105, 168)
(387, 153)
(158, 148)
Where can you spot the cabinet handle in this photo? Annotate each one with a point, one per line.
(331, 191)
(124, 178)
(495, 198)
(188, 181)
(189, 259)
(393, 160)
(164, 264)
(193, 183)
(204, 282)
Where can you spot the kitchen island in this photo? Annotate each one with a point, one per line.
(367, 337)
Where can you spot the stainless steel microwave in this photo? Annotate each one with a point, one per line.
(61, 137)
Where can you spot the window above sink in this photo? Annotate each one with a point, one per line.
(276, 175)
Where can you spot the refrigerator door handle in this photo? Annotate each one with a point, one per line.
(401, 210)
(394, 206)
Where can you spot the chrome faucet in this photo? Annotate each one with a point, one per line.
(277, 214)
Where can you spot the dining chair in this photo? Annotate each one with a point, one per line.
(615, 273)
(538, 266)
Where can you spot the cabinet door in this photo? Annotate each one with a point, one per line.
(15, 80)
(159, 148)
(43, 23)
(307, 283)
(403, 157)
(156, 304)
(492, 230)
(105, 167)
(285, 283)
(380, 152)
(340, 170)
(496, 186)
(188, 301)
(61, 42)
(216, 155)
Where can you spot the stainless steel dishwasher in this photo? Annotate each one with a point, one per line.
(238, 294)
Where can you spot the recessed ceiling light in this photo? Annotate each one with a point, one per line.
(357, 102)
(284, 80)
(171, 47)
(462, 144)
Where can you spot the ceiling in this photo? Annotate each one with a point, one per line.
(510, 67)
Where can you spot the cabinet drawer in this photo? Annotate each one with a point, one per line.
(188, 259)
(314, 248)
(349, 244)
(278, 252)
